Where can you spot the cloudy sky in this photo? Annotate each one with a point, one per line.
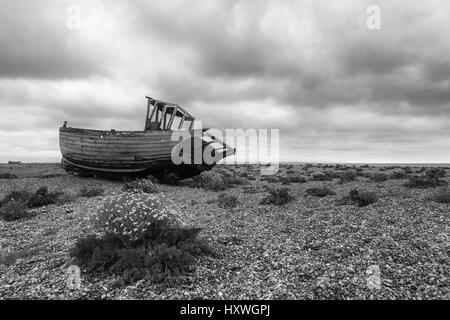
(337, 90)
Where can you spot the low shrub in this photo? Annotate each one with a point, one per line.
(361, 198)
(91, 192)
(333, 174)
(243, 174)
(293, 179)
(140, 185)
(16, 203)
(14, 210)
(210, 181)
(251, 190)
(430, 179)
(9, 258)
(43, 197)
(162, 251)
(236, 180)
(407, 170)
(443, 196)
(399, 174)
(7, 176)
(365, 198)
(278, 196)
(348, 176)
(142, 239)
(435, 173)
(227, 201)
(379, 177)
(270, 179)
(321, 176)
(68, 196)
(320, 192)
(17, 195)
(226, 172)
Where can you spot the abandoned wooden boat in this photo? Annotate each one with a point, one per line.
(118, 154)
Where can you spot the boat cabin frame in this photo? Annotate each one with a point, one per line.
(161, 115)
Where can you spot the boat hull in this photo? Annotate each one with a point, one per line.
(115, 154)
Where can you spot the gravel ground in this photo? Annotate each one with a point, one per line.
(310, 248)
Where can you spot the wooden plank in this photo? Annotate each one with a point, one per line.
(113, 156)
(115, 152)
(109, 155)
(93, 166)
(97, 133)
(120, 146)
(182, 121)
(172, 118)
(116, 157)
(121, 168)
(117, 164)
(118, 139)
(163, 117)
(119, 134)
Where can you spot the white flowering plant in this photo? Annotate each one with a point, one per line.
(142, 238)
(132, 214)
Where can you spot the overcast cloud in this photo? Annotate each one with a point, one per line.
(336, 90)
